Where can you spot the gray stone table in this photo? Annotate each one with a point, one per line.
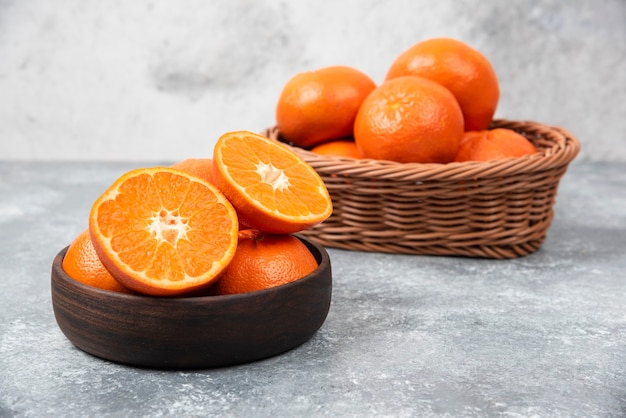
(543, 335)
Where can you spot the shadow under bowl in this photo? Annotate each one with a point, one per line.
(193, 331)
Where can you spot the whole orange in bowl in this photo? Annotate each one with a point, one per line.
(409, 119)
(494, 144)
(466, 72)
(81, 263)
(263, 261)
(320, 105)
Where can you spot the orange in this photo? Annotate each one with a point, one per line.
(409, 119)
(271, 188)
(317, 106)
(200, 167)
(81, 263)
(338, 148)
(460, 68)
(161, 231)
(494, 144)
(263, 261)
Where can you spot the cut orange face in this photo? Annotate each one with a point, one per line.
(162, 232)
(272, 189)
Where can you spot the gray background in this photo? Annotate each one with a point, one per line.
(153, 80)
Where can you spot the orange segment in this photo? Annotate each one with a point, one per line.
(271, 188)
(161, 231)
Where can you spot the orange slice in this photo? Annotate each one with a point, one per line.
(272, 189)
(161, 231)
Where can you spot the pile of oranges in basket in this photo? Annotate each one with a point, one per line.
(435, 105)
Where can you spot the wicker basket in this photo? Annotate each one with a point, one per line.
(497, 209)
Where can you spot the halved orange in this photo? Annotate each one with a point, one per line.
(272, 188)
(161, 231)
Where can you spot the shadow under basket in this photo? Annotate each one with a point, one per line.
(496, 209)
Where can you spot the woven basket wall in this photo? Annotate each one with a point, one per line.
(496, 209)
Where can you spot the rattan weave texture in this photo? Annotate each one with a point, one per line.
(496, 209)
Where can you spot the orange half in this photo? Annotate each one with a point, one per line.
(161, 231)
(272, 189)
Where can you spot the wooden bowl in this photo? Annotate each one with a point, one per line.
(194, 331)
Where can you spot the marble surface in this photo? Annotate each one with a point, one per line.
(156, 79)
(543, 335)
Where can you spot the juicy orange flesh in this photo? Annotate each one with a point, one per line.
(165, 226)
(274, 178)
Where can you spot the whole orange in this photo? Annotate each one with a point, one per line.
(317, 106)
(81, 263)
(263, 261)
(200, 167)
(338, 148)
(493, 144)
(409, 119)
(460, 68)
